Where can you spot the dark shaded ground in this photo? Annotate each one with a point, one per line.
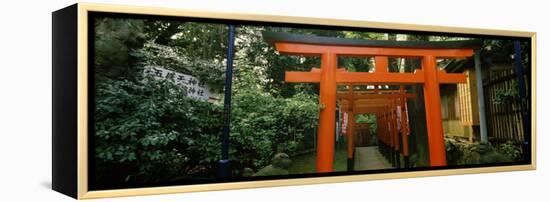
(306, 163)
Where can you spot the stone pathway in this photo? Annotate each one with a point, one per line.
(368, 158)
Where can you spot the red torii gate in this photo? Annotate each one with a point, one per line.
(379, 102)
(328, 77)
(381, 105)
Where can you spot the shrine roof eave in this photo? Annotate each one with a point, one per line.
(275, 37)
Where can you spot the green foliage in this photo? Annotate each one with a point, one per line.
(502, 51)
(279, 166)
(508, 95)
(504, 96)
(364, 35)
(149, 131)
(192, 48)
(263, 125)
(266, 118)
(253, 51)
(466, 153)
(114, 41)
(511, 150)
(371, 120)
(201, 41)
(365, 118)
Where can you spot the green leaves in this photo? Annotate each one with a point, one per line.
(461, 152)
(511, 150)
(263, 125)
(114, 40)
(148, 130)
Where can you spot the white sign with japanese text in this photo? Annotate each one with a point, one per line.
(195, 88)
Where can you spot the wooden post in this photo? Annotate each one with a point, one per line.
(404, 119)
(395, 133)
(404, 126)
(379, 127)
(436, 141)
(480, 97)
(327, 99)
(351, 128)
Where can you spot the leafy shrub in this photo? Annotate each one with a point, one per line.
(466, 153)
(114, 40)
(510, 150)
(504, 96)
(148, 131)
(279, 166)
(263, 125)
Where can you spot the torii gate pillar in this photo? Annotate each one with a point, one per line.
(432, 101)
(327, 100)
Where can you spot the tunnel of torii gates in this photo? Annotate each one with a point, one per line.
(329, 75)
(390, 108)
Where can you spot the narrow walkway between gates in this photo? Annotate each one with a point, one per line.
(368, 158)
